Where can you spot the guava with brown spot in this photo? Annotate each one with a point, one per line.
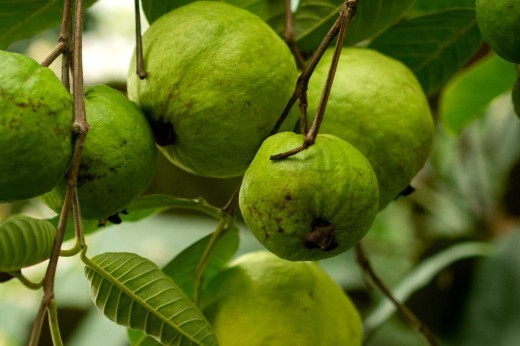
(218, 78)
(261, 299)
(35, 128)
(377, 105)
(118, 160)
(312, 205)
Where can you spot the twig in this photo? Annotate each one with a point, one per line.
(80, 128)
(225, 223)
(138, 43)
(290, 38)
(347, 12)
(60, 47)
(403, 310)
(54, 324)
(26, 282)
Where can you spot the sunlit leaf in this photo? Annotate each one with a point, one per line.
(132, 291)
(467, 96)
(24, 241)
(314, 18)
(433, 46)
(23, 18)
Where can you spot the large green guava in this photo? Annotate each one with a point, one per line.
(313, 205)
(377, 105)
(499, 23)
(218, 78)
(118, 160)
(35, 128)
(261, 300)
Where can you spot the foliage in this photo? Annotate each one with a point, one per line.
(462, 208)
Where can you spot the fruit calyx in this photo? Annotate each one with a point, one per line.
(321, 235)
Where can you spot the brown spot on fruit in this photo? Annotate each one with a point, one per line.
(321, 235)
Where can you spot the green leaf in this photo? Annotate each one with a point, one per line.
(132, 291)
(493, 301)
(183, 267)
(433, 46)
(429, 6)
(24, 241)
(314, 18)
(270, 11)
(467, 95)
(23, 18)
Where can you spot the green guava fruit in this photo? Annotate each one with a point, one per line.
(218, 78)
(499, 23)
(118, 159)
(313, 205)
(35, 128)
(261, 299)
(377, 105)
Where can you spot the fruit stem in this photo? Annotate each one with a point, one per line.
(139, 43)
(26, 282)
(403, 310)
(79, 128)
(290, 38)
(347, 12)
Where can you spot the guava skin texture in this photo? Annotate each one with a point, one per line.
(35, 128)
(377, 105)
(217, 80)
(118, 159)
(499, 23)
(261, 300)
(312, 205)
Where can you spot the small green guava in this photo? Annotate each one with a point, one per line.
(118, 159)
(218, 78)
(35, 128)
(377, 105)
(261, 299)
(312, 205)
(499, 23)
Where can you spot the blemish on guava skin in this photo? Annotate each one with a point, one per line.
(288, 197)
(321, 235)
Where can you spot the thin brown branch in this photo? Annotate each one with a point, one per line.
(80, 128)
(403, 310)
(138, 42)
(60, 47)
(347, 12)
(66, 38)
(290, 38)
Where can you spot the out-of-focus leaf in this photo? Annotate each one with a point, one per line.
(429, 6)
(314, 18)
(24, 241)
(467, 96)
(270, 11)
(182, 269)
(23, 18)
(433, 46)
(421, 276)
(132, 291)
(492, 314)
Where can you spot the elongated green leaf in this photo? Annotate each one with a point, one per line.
(23, 18)
(314, 18)
(133, 292)
(467, 96)
(182, 268)
(429, 6)
(24, 241)
(434, 46)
